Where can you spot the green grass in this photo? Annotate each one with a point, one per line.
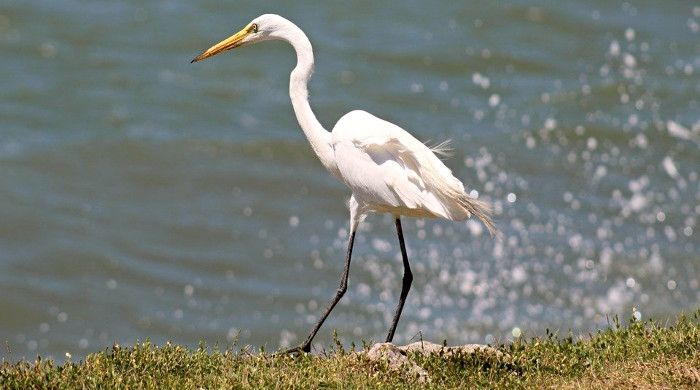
(637, 355)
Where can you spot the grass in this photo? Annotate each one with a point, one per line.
(637, 355)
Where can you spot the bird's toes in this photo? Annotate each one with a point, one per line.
(296, 350)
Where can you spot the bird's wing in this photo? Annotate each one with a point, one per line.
(385, 165)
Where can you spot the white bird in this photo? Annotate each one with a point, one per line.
(386, 168)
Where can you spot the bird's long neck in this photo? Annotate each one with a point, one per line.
(319, 138)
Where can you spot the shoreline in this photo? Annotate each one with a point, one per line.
(638, 354)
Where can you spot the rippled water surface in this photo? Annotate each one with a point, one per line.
(144, 197)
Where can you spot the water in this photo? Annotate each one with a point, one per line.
(144, 197)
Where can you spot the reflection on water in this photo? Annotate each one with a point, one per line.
(142, 197)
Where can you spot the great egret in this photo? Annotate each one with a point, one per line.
(385, 167)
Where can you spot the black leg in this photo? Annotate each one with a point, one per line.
(406, 284)
(306, 346)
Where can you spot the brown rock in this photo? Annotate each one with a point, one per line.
(396, 360)
(427, 347)
(397, 357)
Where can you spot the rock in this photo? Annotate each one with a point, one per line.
(423, 347)
(396, 359)
(427, 347)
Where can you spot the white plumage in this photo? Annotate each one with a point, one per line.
(389, 170)
(386, 168)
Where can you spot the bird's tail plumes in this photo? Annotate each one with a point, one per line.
(443, 194)
(481, 210)
(442, 149)
(456, 203)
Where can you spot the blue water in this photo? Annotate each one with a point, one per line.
(144, 197)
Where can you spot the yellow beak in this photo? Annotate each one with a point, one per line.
(229, 43)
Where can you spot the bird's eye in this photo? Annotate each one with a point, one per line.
(254, 28)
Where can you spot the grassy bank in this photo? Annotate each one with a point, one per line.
(640, 354)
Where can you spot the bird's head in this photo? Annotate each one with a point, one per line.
(263, 28)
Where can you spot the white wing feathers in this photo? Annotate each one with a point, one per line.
(405, 179)
(390, 170)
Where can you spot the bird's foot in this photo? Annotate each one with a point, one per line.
(306, 348)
